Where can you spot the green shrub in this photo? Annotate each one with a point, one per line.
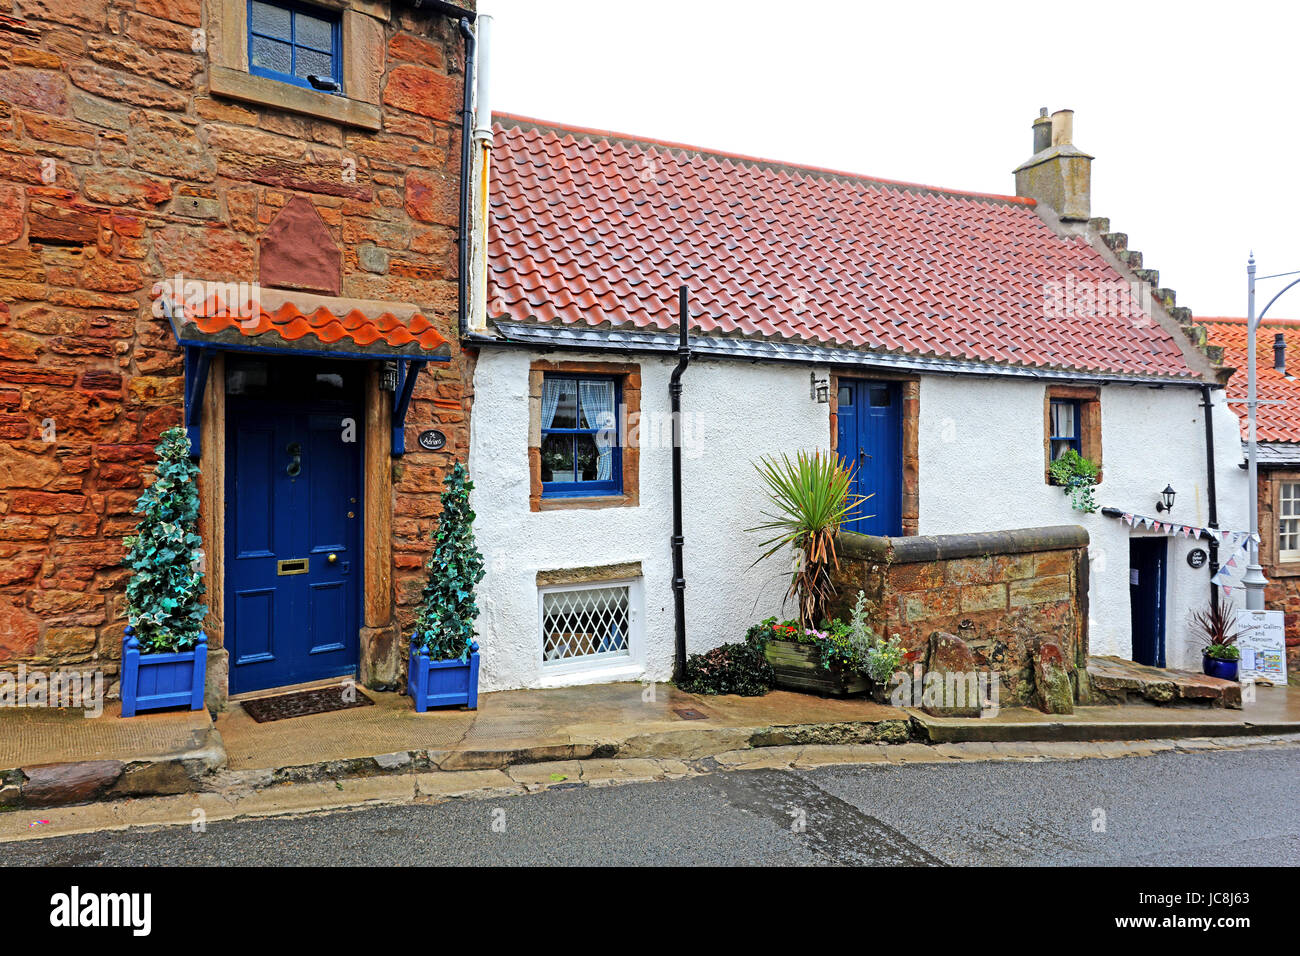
(444, 622)
(730, 669)
(163, 595)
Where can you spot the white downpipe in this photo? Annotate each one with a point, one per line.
(478, 286)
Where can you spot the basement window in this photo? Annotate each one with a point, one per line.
(587, 625)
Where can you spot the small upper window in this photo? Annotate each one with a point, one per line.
(295, 43)
(1064, 427)
(1288, 521)
(580, 441)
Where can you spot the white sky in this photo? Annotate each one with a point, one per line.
(1189, 108)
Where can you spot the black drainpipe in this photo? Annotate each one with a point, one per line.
(466, 145)
(679, 570)
(1208, 404)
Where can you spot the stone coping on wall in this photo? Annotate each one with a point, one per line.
(942, 547)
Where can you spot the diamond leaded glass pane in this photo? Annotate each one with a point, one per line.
(585, 623)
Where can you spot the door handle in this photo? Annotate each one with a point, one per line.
(333, 559)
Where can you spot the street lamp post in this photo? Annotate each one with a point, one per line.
(1254, 580)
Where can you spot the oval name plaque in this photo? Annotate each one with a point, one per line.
(432, 440)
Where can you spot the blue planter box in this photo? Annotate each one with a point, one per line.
(155, 681)
(442, 683)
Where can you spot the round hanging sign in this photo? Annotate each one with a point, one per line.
(1197, 557)
(432, 440)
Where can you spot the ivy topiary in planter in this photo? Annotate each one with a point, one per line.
(164, 650)
(1078, 478)
(443, 663)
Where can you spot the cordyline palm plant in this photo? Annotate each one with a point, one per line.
(812, 499)
(1216, 625)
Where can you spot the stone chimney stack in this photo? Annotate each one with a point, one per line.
(1059, 174)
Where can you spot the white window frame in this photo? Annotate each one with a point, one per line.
(1285, 555)
(596, 668)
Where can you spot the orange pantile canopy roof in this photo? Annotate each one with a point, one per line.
(1273, 423)
(281, 320)
(595, 229)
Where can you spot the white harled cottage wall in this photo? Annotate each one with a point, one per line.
(982, 464)
(734, 412)
(981, 460)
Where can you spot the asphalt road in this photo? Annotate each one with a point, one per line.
(1226, 807)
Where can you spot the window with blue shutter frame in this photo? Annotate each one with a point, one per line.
(292, 41)
(581, 450)
(1065, 427)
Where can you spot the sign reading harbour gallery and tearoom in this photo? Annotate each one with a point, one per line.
(432, 440)
(1261, 637)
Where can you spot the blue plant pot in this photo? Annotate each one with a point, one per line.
(1213, 667)
(442, 683)
(156, 681)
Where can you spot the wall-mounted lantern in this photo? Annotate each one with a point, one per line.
(819, 389)
(1167, 500)
(388, 377)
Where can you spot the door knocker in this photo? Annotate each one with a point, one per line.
(295, 459)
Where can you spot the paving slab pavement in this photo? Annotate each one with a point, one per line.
(325, 796)
(608, 726)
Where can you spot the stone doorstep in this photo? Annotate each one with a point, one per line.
(1116, 680)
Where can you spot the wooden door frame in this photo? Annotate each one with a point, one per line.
(379, 635)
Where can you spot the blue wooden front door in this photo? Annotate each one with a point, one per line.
(293, 520)
(869, 439)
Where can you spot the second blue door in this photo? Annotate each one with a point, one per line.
(869, 439)
(293, 507)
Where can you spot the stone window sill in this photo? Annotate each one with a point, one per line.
(263, 91)
(596, 501)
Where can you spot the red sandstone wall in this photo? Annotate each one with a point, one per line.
(118, 168)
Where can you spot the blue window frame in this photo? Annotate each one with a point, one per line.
(292, 41)
(1065, 427)
(581, 452)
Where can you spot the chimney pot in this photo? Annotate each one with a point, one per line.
(1042, 131)
(1279, 352)
(1063, 128)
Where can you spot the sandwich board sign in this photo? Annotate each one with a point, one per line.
(1261, 636)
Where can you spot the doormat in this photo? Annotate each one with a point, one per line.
(301, 703)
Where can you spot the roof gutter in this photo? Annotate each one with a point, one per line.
(521, 335)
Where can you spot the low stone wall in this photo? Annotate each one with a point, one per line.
(1000, 592)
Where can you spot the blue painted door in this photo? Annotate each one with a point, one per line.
(869, 439)
(293, 520)
(1147, 588)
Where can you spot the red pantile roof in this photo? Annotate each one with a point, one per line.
(1272, 422)
(274, 319)
(590, 228)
